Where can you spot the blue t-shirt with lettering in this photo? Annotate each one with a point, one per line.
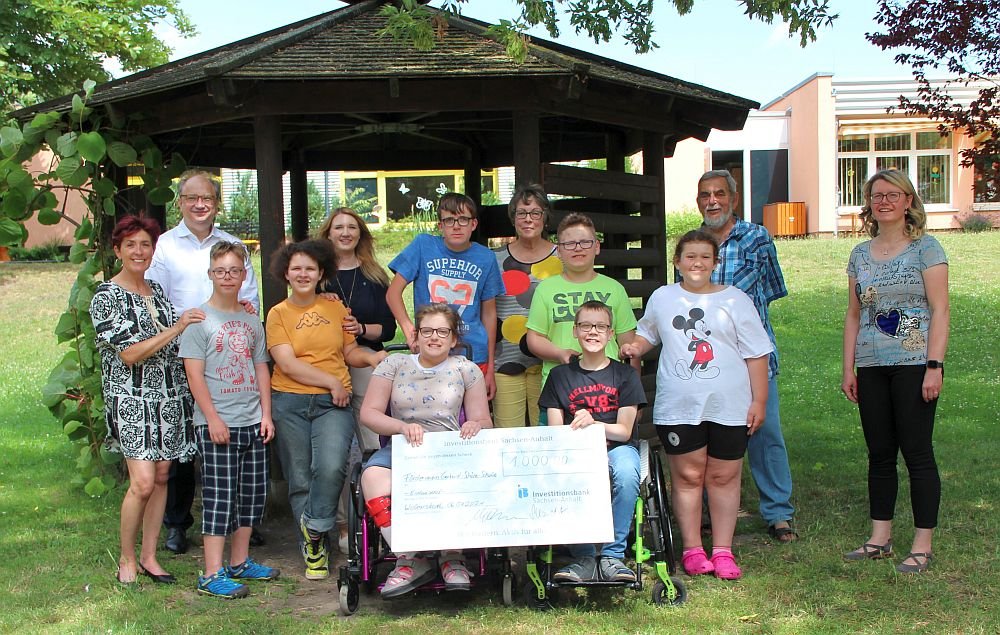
(461, 279)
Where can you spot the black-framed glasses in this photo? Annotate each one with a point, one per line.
(461, 221)
(534, 214)
(573, 245)
(587, 327)
(221, 273)
(892, 197)
(426, 331)
(197, 198)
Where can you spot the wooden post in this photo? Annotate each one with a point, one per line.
(527, 153)
(615, 162)
(474, 190)
(652, 165)
(300, 196)
(267, 143)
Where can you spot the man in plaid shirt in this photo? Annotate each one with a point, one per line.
(749, 262)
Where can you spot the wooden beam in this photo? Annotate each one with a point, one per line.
(526, 143)
(267, 133)
(299, 190)
(573, 181)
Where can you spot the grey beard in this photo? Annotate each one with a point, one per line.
(716, 223)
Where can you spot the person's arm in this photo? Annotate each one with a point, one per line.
(360, 357)
(625, 339)
(936, 288)
(636, 348)
(488, 314)
(555, 416)
(383, 329)
(542, 348)
(145, 349)
(373, 414)
(757, 367)
(307, 374)
(264, 386)
(217, 428)
(852, 324)
(394, 298)
(249, 293)
(477, 410)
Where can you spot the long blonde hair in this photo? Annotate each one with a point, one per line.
(365, 250)
(916, 217)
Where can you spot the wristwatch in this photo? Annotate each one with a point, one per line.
(935, 363)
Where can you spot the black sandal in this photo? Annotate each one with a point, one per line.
(917, 566)
(784, 535)
(870, 551)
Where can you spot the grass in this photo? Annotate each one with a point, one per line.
(57, 547)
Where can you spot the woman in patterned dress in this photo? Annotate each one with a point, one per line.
(147, 404)
(523, 263)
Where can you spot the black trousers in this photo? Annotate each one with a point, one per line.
(180, 496)
(895, 419)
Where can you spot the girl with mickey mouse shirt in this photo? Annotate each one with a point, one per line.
(711, 389)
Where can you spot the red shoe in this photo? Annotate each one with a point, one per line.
(695, 562)
(725, 566)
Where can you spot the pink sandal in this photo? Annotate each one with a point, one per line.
(409, 574)
(725, 566)
(456, 576)
(695, 562)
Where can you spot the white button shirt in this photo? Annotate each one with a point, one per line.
(180, 264)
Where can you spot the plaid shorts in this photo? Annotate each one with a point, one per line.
(233, 480)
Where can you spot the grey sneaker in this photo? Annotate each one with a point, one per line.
(582, 570)
(614, 570)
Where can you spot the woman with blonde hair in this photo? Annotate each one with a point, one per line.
(895, 338)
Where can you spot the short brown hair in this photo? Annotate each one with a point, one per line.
(224, 247)
(440, 308)
(455, 203)
(573, 219)
(594, 305)
(132, 224)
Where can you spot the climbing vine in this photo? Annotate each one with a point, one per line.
(87, 146)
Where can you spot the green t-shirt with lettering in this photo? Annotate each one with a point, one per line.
(555, 303)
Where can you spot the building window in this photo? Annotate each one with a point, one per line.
(925, 156)
(987, 178)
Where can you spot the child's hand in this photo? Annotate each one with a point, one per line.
(339, 394)
(266, 430)
(755, 416)
(567, 355)
(582, 419)
(332, 297)
(410, 331)
(218, 431)
(470, 429)
(248, 307)
(414, 434)
(629, 351)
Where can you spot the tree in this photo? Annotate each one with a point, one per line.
(599, 19)
(961, 37)
(50, 47)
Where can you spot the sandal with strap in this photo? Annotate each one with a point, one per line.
(695, 562)
(456, 576)
(870, 551)
(917, 566)
(725, 566)
(783, 535)
(409, 574)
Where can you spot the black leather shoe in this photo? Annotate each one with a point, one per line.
(176, 541)
(257, 538)
(161, 578)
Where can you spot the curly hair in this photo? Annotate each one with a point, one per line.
(320, 251)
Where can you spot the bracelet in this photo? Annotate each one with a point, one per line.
(364, 330)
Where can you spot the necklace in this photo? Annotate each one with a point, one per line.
(346, 297)
(887, 246)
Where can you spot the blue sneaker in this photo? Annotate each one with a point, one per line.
(220, 586)
(252, 570)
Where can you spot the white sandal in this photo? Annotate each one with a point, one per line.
(456, 576)
(409, 574)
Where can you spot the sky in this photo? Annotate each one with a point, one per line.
(715, 45)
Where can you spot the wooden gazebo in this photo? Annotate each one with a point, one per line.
(328, 93)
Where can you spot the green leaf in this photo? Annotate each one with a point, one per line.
(91, 146)
(82, 303)
(161, 196)
(66, 144)
(10, 232)
(67, 167)
(31, 134)
(85, 230)
(152, 158)
(15, 205)
(10, 140)
(53, 393)
(121, 153)
(18, 177)
(109, 458)
(49, 217)
(66, 327)
(78, 253)
(108, 205)
(78, 106)
(44, 120)
(88, 87)
(104, 186)
(177, 165)
(95, 487)
(72, 426)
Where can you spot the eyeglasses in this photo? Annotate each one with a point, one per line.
(534, 214)
(195, 198)
(892, 197)
(573, 245)
(426, 331)
(461, 221)
(232, 272)
(587, 327)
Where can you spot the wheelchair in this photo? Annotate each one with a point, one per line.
(651, 541)
(367, 552)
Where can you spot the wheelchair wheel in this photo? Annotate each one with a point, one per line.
(661, 597)
(507, 587)
(529, 594)
(659, 512)
(350, 596)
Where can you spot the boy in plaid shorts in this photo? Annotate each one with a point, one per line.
(226, 363)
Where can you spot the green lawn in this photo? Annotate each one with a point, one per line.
(58, 548)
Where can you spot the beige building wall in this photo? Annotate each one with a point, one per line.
(75, 208)
(691, 159)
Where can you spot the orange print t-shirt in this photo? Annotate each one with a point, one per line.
(317, 337)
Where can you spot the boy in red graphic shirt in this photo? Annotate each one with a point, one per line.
(594, 389)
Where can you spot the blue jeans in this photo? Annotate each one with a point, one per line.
(314, 438)
(623, 464)
(768, 460)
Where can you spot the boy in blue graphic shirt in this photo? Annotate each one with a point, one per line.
(450, 268)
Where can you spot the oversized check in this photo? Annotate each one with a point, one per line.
(503, 487)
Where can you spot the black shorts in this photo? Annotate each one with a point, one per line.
(726, 443)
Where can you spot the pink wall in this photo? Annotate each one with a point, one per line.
(62, 232)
